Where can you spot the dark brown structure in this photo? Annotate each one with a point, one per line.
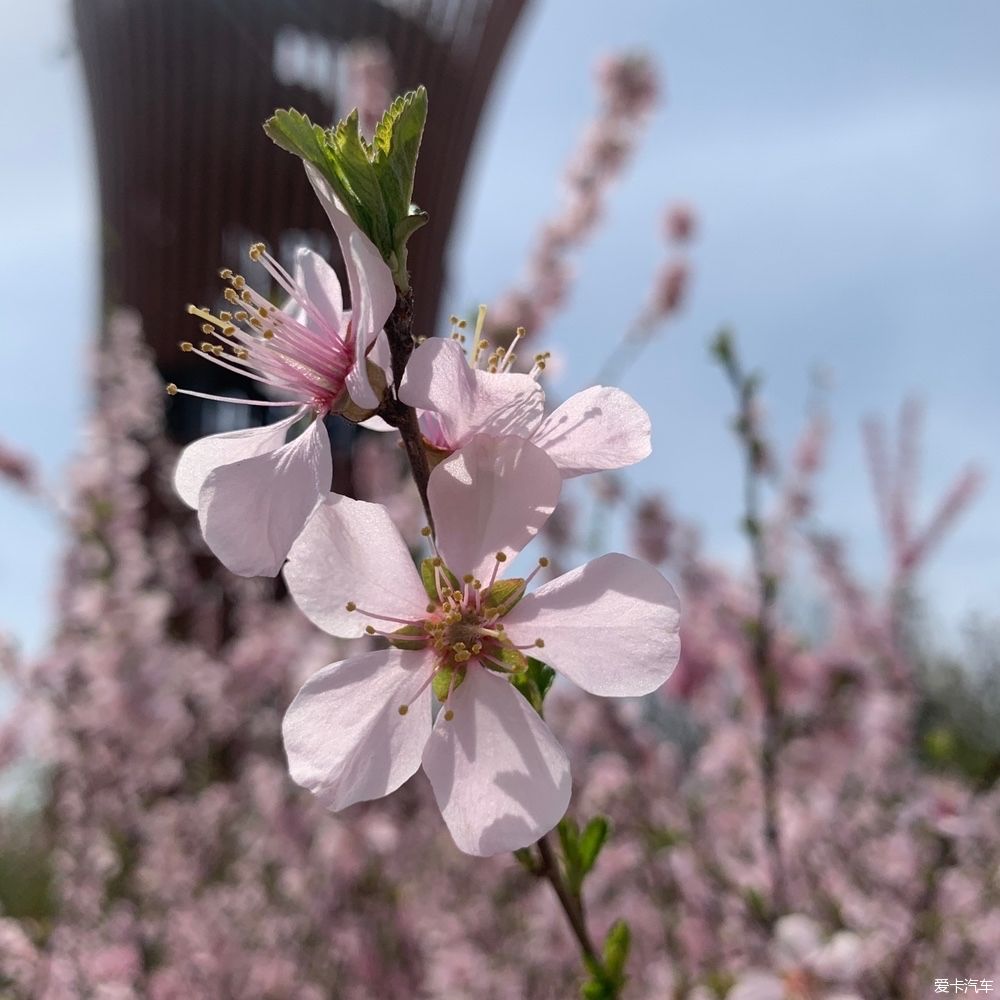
(179, 90)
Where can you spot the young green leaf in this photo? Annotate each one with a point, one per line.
(593, 838)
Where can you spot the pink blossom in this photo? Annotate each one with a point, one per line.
(314, 353)
(596, 429)
(361, 727)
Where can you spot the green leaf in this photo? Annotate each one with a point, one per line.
(534, 683)
(374, 181)
(616, 949)
(569, 840)
(295, 133)
(395, 145)
(593, 838)
(503, 595)
(429, 580)
(542, 675)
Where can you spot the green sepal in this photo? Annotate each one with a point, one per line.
(429, 582)
(400, 641)
(442, 681)
(513, 659)
(502, 597)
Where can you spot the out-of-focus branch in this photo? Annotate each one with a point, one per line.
(761, 628)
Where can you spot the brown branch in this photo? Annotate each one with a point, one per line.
(399, 331)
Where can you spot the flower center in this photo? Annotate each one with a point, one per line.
(462, 624)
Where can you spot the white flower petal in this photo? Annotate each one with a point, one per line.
(493, 495)
(344, 736)
(599, 428)
(351, 551)
(373, 292)
(322, 288)
(610, 626)
(469, 401)
(500, 778)
(202, 457)
(252, 511)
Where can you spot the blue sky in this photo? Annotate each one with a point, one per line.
(843, 161)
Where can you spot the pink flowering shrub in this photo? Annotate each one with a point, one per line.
(788, 816)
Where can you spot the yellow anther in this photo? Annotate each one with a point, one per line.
(268, 334)
(467, 578)
(226, 317)
(205, 346)
(539, 644)
(246, 296)
(403, 709)
(350, 606)
(462, 324)
(171, 389)
(449, 715)
(257, 251)
(431, 608)
(256, 323)
(543, 562)
(242, 353)
(225, 273)
(241, 315)
(501, 557)
(239, 282)
(230, 296)
(426, 532)
(370, 629)
(520, 331)
(187, 346)
(228, 331)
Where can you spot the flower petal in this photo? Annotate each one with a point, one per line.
(253, 510)
(599, 428)
(493, 495)
(344, 736)
(322, 288)
(351, 551)
(500, 778)
(373, 292)
(610, 626)
(469, 401)
(202, 457)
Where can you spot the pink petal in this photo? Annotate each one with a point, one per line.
(351, 551)
(500, 778)
(202, 457)
(469, 401)
(322, 287)
(493, 495)
(755, 985)
(599, 428)
(345, 739)
(610, 626)
(373, 292)
(253, 510)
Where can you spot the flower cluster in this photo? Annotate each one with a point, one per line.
(458, 629)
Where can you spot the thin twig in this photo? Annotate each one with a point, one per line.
(572, 905)
(762, 653)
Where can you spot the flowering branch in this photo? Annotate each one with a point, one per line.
(761, 627)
